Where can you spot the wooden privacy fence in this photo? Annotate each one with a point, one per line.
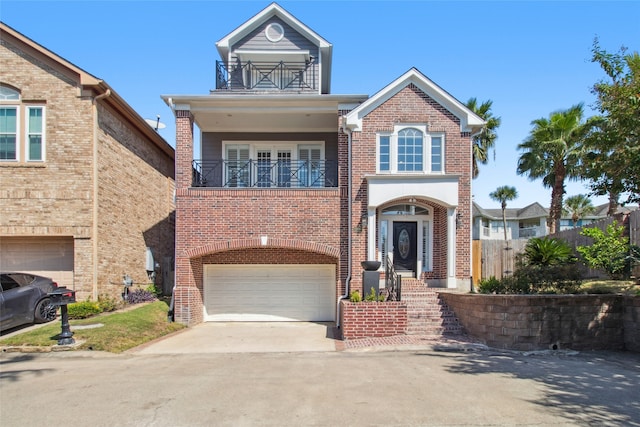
(497, 257)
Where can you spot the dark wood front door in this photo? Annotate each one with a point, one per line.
(405, 243)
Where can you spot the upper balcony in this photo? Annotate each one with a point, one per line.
(265, 173)
(262, 76)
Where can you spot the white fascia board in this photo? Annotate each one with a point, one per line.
(441, 189)
(272, 10)
(469, 121)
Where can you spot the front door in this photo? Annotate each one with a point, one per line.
(405, 245)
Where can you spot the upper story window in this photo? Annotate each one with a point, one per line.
(274, 32)
(410, 149)
(274, 165)
(22, 128)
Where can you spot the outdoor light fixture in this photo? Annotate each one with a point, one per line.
(458, 220)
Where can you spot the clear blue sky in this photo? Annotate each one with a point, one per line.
(530, 58)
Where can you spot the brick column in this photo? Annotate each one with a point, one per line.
(184, 148)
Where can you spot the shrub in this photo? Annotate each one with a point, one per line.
(139, 296)
(548, 251)
(154, 290)
(609, 251)
(371, 296)
(83, 309)
(490, 286)
(354, 296)
(107, 303)
(545, 279)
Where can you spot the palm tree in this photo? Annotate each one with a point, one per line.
(486, 139)
(503, 195)
(578, 206)
(553, 151)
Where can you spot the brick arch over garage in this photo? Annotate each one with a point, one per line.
(258, 243)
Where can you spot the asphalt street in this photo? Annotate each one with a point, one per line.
(335, 388)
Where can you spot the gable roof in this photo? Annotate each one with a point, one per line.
(87, 81)
(325, 48)
(469, 121)
(534, 210)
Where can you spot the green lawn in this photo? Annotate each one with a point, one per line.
(121, 331)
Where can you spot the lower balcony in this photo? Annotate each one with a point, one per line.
(265, 173)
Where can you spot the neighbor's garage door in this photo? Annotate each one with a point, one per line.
(269, 292)
(44, 256)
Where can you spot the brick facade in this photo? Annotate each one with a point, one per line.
(372, 319)
(107, 184)
(218, 225)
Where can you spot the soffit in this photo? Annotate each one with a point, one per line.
(255, 113)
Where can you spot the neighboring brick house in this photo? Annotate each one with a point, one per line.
(87, 184)
(293, 187)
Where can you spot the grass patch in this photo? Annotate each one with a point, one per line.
(121, 330)
(625, 287)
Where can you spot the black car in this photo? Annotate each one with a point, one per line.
(24, 299)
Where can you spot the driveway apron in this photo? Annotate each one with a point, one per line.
(246, 337)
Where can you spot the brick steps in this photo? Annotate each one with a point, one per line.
(427, 314)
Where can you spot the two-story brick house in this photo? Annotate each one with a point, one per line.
(293, 186)
(87, 184)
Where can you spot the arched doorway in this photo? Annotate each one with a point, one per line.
(405, 235)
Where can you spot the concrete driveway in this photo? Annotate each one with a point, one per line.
(246, 337)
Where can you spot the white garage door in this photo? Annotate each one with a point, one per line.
(44, 256)
(253, 293)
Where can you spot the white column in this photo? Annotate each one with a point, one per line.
(371, 234)
(451, 248)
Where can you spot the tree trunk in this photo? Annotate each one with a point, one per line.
(504, 220)
(555, 210)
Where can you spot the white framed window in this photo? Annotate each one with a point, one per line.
(8, 133)
(410, 149)
(22, 128)
(35, 133)
(274, 164)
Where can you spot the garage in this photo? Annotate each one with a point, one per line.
(269, 293)
(44, 256)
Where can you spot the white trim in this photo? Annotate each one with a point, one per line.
(451, 248)
(255, 146)
(427, 160)
(42, 133)
(469, 121)
(441, 189)
(19, 113)
(420, 221)
(279, 29)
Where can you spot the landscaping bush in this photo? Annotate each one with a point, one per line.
(83, 309)
(372, 297)
(139, 296)
(547, 266)
(490, 286)
(548, 251)
(545, 279)
(107, 303)
(354, 296)
(610, 251)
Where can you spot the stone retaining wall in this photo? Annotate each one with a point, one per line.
(372, 319)
(534, 322)
(631, 320)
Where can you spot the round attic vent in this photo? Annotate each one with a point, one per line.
(274, 32)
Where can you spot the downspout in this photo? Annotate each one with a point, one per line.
(349, 222)
(94, 237)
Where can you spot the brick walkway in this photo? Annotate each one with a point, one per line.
(400, 341)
